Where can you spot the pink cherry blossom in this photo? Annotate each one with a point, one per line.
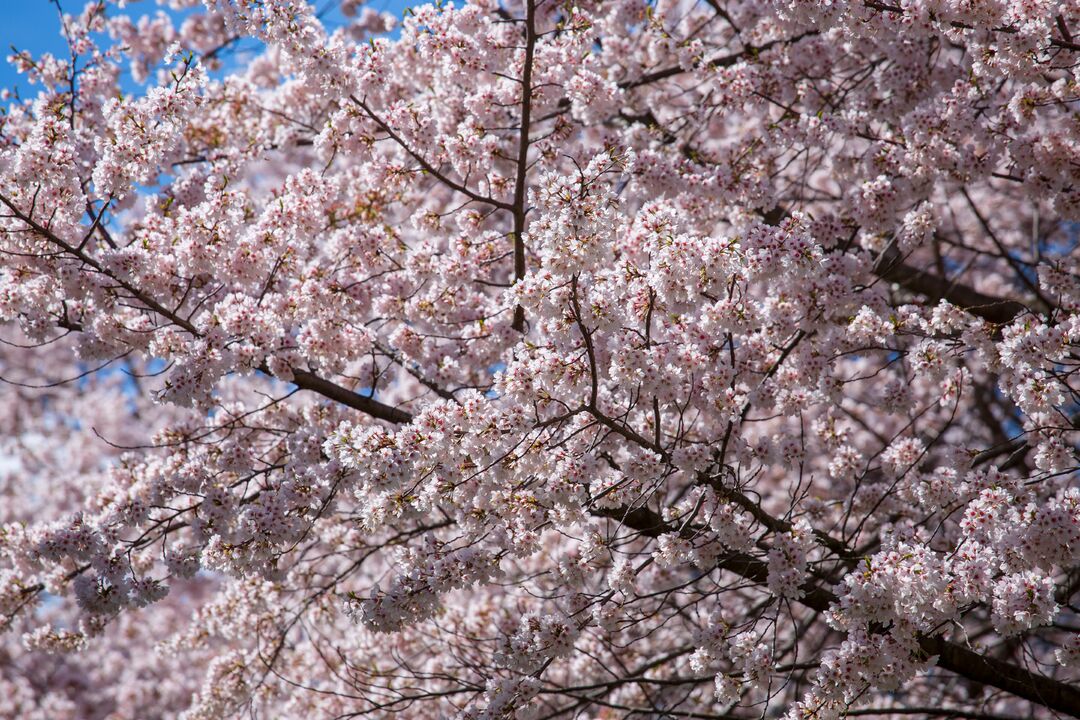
(528, 359)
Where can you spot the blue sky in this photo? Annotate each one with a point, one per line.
(28, 25)
(34, 25)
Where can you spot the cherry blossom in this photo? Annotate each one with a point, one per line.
(540, 360)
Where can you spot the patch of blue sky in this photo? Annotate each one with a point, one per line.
(494, 370)
(35, 26)
(1067, 242)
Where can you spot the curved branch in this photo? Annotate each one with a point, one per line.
(992, 309)
(302, 378)
(1038, 689)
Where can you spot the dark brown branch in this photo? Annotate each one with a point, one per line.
(992, 309)
(724, 61)
(519, 209)
(427, 166)
(1066, 43)
(302, 378)
(890, 267)
(1034, 688)
(370, 406)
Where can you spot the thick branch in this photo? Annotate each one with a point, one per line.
(992, 309)
(374, 408)
(1059, 696)
(302, 378)
(519, 209)
(1065, 43)
(1038, 689)
(890, 267)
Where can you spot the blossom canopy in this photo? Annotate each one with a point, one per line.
(535, 359)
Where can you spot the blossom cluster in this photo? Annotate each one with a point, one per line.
(523, 359)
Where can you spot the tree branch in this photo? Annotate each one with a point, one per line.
(302, 378)
(428, 167)
(1066, 43)
(723, 61)
(1038, 689)
(519, 209)
(370, 406)
(992, 309)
